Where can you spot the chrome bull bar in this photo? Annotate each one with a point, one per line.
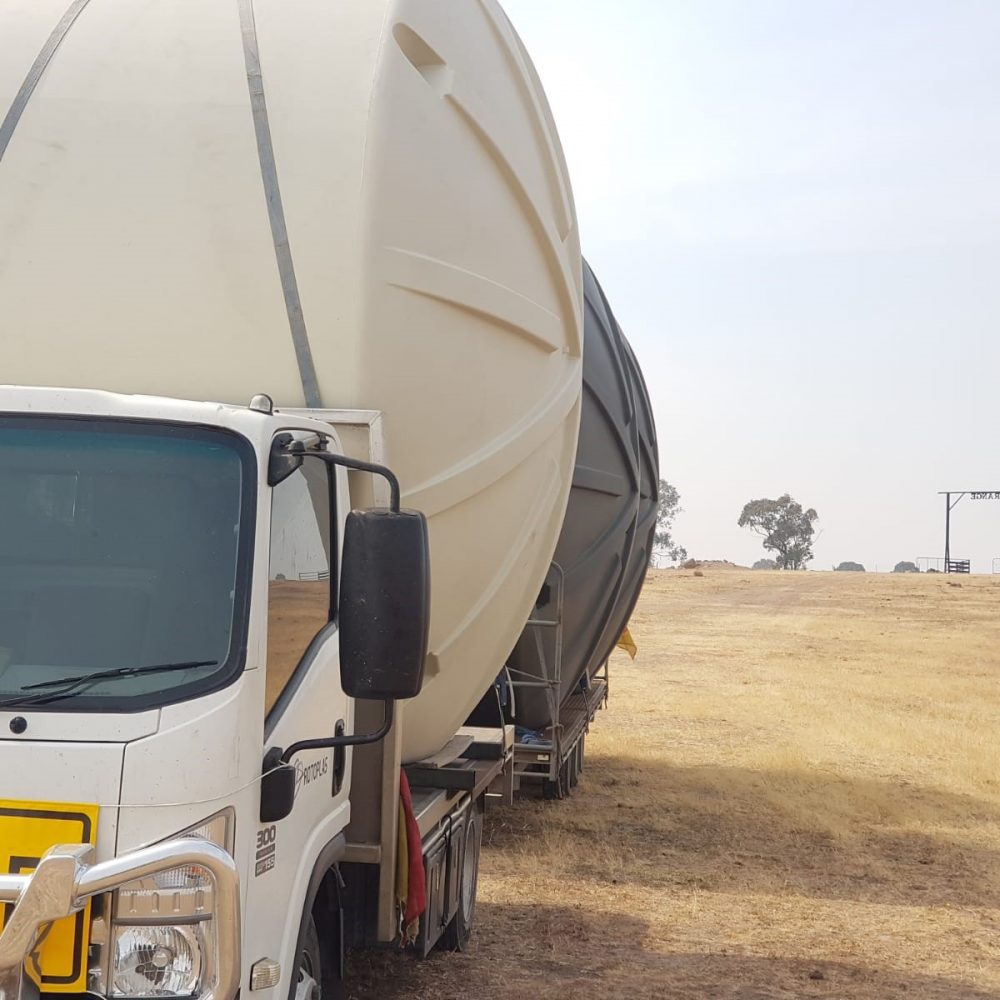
(66, 878)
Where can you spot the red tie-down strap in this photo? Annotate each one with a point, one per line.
(416, 888)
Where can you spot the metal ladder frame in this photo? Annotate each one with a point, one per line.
(551, 681)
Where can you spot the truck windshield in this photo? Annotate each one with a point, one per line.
(121, 546)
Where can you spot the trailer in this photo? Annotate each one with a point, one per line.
(558, 669)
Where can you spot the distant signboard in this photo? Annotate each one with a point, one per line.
(988, 495)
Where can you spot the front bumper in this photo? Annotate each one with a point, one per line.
(66, 878)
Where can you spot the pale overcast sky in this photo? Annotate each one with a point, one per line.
(794, 209)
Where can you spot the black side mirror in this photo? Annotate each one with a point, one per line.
(385, 591)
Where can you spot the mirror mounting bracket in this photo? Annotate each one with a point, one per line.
(287, 454)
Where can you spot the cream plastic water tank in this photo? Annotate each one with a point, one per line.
(351, 204)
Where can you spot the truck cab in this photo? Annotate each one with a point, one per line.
(174, 709)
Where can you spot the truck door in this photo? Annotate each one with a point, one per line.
(304, 700)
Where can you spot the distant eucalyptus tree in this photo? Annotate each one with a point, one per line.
(668, 507)
(786, 528)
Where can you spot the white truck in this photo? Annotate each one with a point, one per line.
(253, 255)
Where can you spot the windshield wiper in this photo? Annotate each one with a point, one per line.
(70, 684)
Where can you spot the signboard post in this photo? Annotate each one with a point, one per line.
(960, 566)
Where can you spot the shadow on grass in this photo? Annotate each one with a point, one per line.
(731, 829)
(554, 953)
(516, 951)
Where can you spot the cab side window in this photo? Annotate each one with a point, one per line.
(299, 596)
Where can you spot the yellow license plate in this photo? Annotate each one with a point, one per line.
(58, 963)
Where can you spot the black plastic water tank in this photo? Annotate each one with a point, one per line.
(607, 534)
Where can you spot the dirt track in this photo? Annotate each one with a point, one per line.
(794, 793)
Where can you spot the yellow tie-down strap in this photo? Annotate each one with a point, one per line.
(58, 962)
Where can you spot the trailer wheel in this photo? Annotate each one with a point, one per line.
(558, 789)
(573, 767)
(566, 776)
(458, 932)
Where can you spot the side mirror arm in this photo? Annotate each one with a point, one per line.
(357, 740)
(277, 786)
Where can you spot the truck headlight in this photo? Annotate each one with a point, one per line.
(163, 934)
(157, 961)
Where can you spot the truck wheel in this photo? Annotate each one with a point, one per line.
(310, 971)
(458, 932)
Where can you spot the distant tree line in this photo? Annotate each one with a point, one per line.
(784, 525)
(855, 567)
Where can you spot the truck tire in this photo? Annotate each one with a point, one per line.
(458, 932)
(309, 974)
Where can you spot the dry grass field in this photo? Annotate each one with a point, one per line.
(794, 793)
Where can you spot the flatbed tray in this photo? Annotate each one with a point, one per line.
(468, 763)
(575, 715)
